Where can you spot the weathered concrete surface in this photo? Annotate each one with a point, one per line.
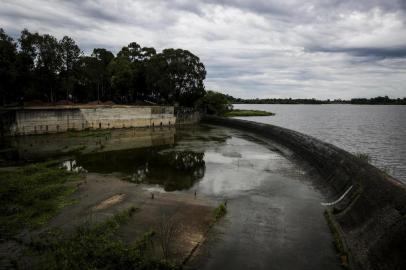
(371, 217)
(187, 116)
(26, 148)
(41, 120)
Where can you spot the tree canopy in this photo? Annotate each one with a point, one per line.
(214, 103)
(39, 67)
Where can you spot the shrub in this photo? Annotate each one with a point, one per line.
(220, 211)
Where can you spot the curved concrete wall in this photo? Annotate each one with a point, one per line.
(371, 217)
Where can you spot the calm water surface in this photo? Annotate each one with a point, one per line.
(379, 131)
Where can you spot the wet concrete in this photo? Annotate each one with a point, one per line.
(371, 216)
(274, 220)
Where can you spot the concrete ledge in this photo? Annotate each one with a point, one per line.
(372, 216)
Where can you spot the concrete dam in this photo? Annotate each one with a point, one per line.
(368, 213)
(56, 119)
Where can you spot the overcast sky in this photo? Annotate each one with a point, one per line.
(265, 48)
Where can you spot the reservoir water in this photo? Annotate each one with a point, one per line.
(377, 130)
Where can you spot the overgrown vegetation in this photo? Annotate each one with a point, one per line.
(31, 195)
(236, 113)
(338, 241)
(94, 246)
(220, 211)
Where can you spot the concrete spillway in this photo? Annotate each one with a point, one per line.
(371, 217)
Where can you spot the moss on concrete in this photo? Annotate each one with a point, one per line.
(338, 240)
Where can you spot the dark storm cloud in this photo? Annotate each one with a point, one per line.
(263, 48)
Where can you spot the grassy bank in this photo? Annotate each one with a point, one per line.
(31, 195)
(95, 246)
(236, 113)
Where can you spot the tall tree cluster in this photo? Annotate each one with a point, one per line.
(42, 68)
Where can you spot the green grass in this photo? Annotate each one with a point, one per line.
(220, 211)
(31, 195)
(236, 113)
(95, 246)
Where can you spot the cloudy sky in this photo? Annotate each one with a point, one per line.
(264, 48)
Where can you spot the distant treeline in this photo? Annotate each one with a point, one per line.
(371, 101)
(38, 67)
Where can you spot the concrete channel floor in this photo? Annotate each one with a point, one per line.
(274, 220)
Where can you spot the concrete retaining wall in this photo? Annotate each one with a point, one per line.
(188, 119)
(187, 116)
(41, 120)
(371, 217)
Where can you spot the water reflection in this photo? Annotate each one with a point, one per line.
(71, 166)
(40, 147)
(173, 170)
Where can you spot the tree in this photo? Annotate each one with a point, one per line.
(133, 59)
(103, 59)
(87, 79)
(39, 67)
(121, 80)
(8, 55)
(27, 81)
(214, 103)
(41, 56)
(70, 55)
(176, 76)
(49, 65)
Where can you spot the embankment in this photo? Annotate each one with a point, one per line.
(371, 216)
